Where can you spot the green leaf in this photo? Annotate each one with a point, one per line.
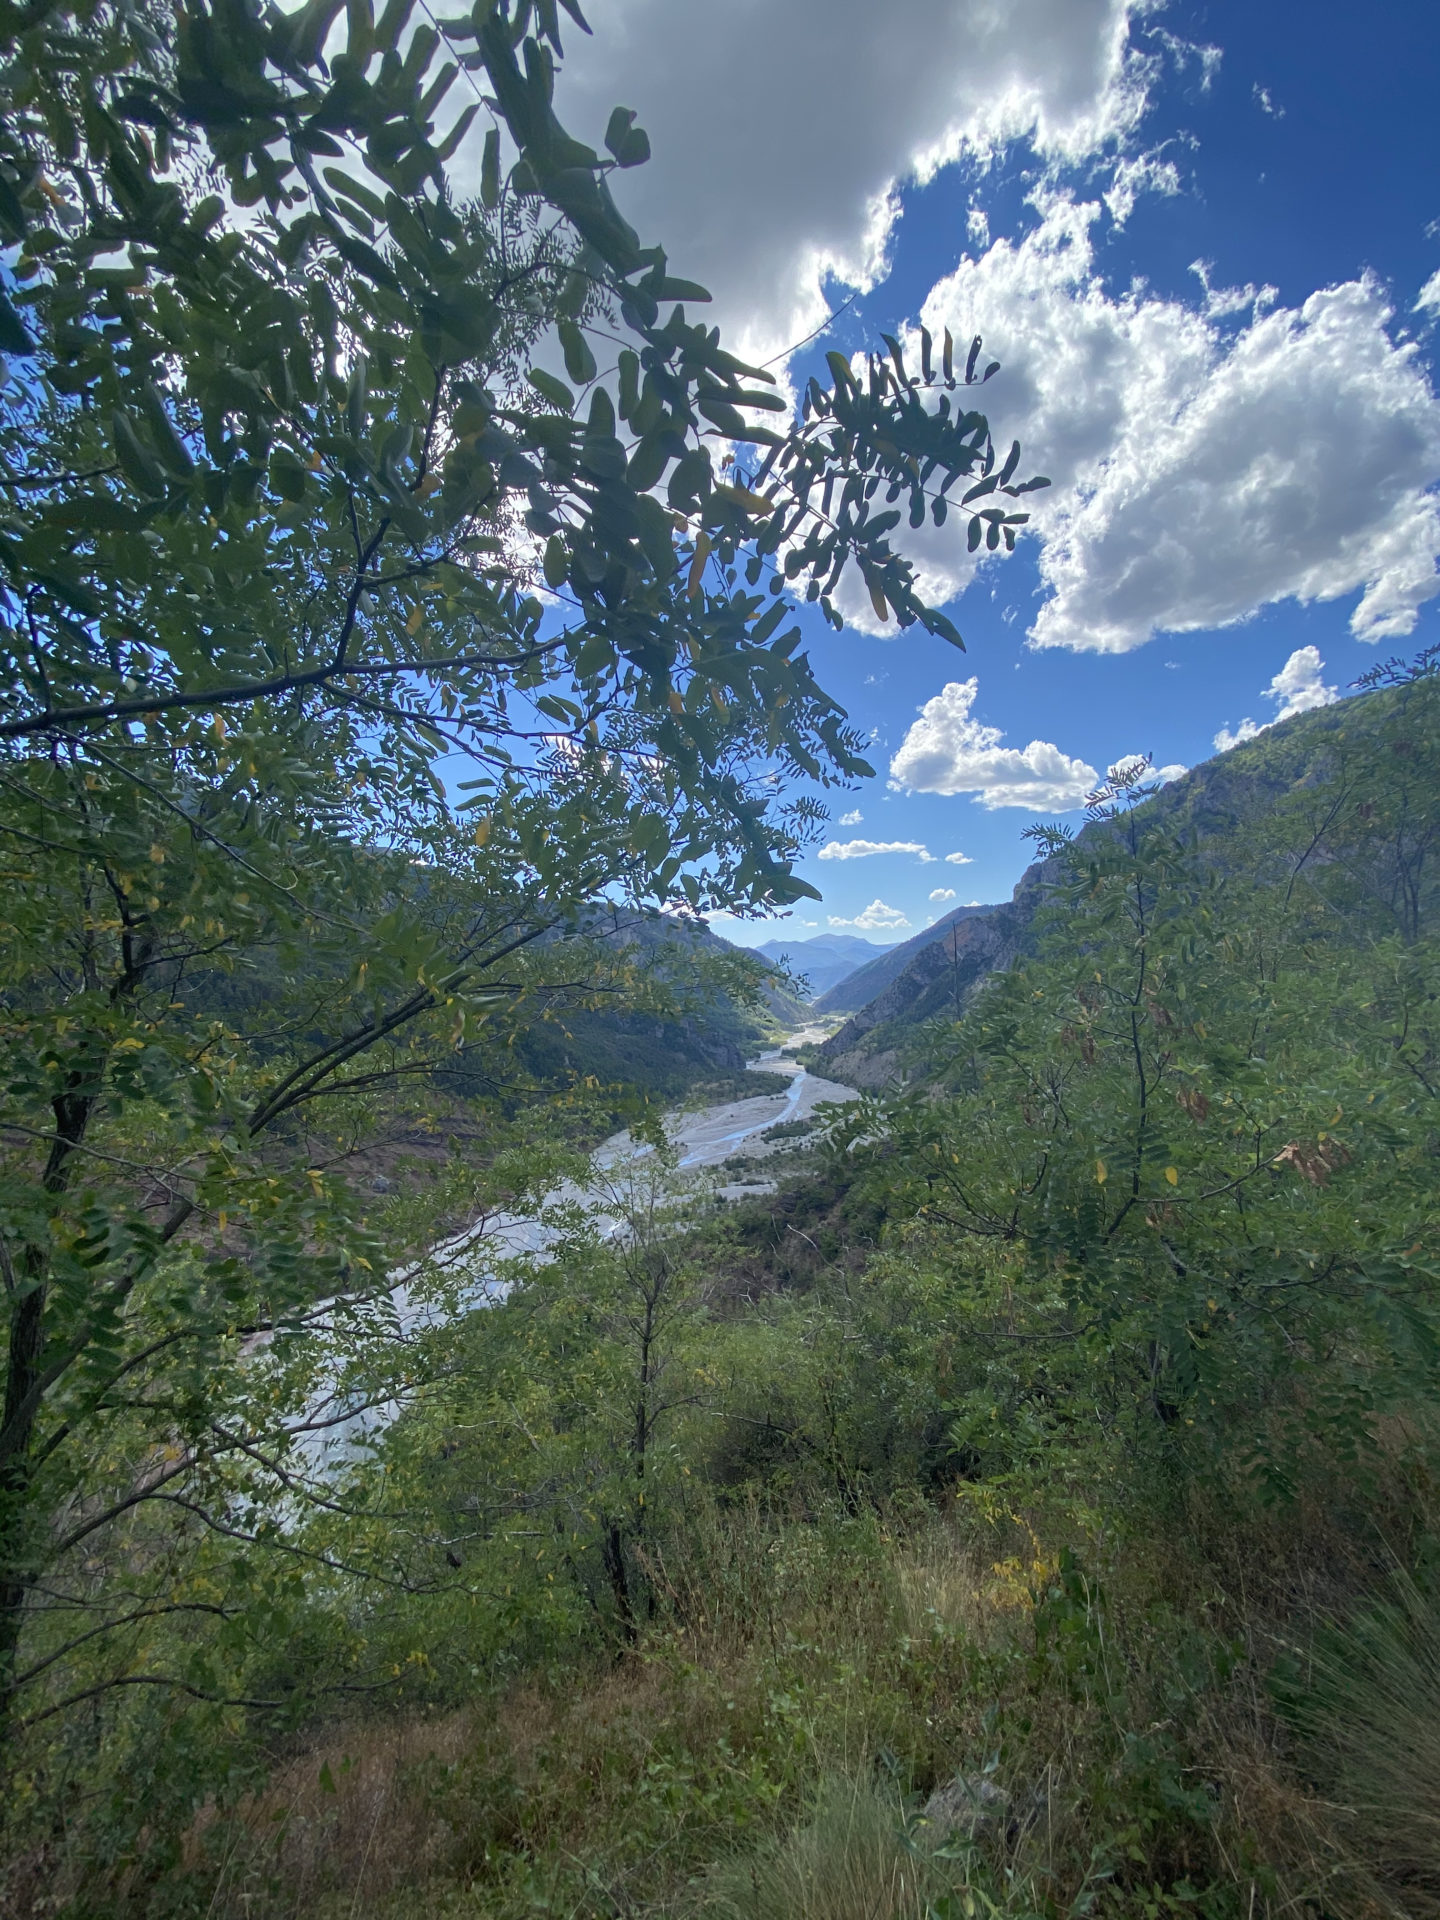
(69, 589)
(137, 463)
(168, 444)
(13, 337)
(551, 389)
(579, 360)
(629, 143)
(629, 370)
(92, 513)
(490, 170)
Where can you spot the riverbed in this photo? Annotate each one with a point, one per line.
(701, 1138)
(478, 1263)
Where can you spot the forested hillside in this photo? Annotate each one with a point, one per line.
(1227, 810)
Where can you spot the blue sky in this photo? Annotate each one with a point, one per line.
(1195, 236)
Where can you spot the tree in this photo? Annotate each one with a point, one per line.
(283, 472)
(1196, 1122)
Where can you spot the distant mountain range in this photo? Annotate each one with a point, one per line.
(824, 961)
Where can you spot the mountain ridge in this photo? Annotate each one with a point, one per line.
(941, 970)
(824, 960)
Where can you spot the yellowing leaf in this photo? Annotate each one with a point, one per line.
(677, 705)
(482, 831)
(877, 600)
(1173, 1176)
(412, 625)
(697, 565)
(1100, 1173)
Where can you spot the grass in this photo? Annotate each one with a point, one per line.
(1366, 1708)
(807, 1683)
(850, 1859)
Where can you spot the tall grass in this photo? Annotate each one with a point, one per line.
(849, 1860)
(1367, 1708)
(807, 1681)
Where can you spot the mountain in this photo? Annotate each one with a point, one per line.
(824, 961)
(706, 1034)
(1226, 807)
(857, 988)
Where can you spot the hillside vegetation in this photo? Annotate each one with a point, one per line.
(1026, 1505)
(1225, 808)
(1028, 1511)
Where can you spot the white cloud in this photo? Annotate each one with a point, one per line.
(851, 819)
(1137, 765)
(759, 194)
(877, 917)
(863, 849)
(1136, 174)
(1429, 300)
(958, 860)
(946, 751)
(1206, 463)
(1297, 688)
(942, 893)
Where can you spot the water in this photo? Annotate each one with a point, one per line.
(703, 1138)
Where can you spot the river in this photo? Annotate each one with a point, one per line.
(702, 1138)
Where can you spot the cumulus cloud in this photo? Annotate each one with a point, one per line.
(946, 751)
(851, 819)
(1138, 766)
(760, 194)
(942, 893)
(864, 849)
(1429, 300)
(958, 860)
(1205, 463)
(875, 918)
(1297, 688)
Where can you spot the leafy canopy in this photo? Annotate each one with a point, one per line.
(302, 534)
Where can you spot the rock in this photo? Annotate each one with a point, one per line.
(381, 1185)
(969, 1805)
(973, 1807)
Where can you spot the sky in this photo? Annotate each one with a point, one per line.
(1203, 241)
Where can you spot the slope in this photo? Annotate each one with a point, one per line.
(858, 989)
(1223, 805)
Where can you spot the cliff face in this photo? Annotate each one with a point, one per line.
(941, 977)
(863, 984)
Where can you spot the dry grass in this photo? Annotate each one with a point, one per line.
(347, 1817)
(849, 1860)
(729, 1765)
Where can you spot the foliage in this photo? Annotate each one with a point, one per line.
(1201, 1118)
(924, 1539)
(301, 537)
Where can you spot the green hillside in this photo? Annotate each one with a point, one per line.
(1237, 813)
(1027, 1510)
